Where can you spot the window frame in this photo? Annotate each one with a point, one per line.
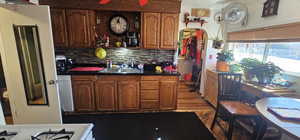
(267, 46)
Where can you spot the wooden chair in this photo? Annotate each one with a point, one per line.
(230, 107)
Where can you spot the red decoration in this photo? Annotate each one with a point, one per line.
(143, 2)
(104, 2)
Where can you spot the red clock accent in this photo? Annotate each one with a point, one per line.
(104, 1)
(143, 2)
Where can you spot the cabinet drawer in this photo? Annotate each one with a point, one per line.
(153, 78)
(150, 104)
(150, 78)
(119, 78)
(84, 77)
(150, 94)
(150, 85)
(169, 78)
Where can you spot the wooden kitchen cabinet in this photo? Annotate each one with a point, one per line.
(159, 92)
(105, 94)
(80, 24)
(151, 30)
(168, 95)
(83, 93)
(128, 95)
(160, 30)
(169, 31)
(124, 93)
(59, 28)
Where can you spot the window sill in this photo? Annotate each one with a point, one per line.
(295, 74)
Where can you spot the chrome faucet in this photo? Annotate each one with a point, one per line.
(109, 64)
(131, 60)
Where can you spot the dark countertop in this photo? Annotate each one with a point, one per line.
(119, 73)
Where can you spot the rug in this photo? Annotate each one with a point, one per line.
(145, 126)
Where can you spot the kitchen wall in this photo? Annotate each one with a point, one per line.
(287, 13)
(118, 55)
(211, 27)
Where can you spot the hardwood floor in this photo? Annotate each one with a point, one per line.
(192, 102)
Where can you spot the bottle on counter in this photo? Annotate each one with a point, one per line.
(107, 41)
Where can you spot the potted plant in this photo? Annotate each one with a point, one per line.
(223, 58)
(248, 66)
(265, 72)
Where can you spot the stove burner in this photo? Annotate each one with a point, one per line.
(5, 135)
(53, 135)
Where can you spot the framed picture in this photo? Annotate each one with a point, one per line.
(270, 8)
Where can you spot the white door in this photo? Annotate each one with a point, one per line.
(34, 16)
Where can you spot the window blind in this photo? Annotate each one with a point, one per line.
(277, 33)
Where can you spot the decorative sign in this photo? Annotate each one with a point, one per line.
(270, 8)
(141, 2)
(200, 12)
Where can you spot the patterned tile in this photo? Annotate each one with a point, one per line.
(118, 55)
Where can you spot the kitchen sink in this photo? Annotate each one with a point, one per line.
(130, 70)
(122, 70)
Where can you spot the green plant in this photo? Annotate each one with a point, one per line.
(249, 64)
(236, 68)
(225, 55)
(264, 72)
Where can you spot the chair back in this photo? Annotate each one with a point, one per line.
(229, 85)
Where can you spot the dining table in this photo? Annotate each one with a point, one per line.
(289, 126)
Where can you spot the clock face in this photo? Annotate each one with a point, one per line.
(118, 25)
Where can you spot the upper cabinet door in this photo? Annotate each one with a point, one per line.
(151, 30)
(59, 30)
(80, 26)
(169, 31)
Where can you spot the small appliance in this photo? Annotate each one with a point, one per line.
(132, 39)
(62, 63)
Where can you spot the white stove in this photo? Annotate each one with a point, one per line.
(47, 132)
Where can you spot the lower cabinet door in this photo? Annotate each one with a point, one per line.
(105, 94)
(128, 95)
(168, 95)
(83, 92)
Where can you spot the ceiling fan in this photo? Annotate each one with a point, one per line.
(232, 13)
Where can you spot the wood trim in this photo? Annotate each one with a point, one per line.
(168, 6)
(278, 33)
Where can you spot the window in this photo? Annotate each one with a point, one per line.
(286, 55)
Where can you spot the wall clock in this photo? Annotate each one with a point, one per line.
(118, 25)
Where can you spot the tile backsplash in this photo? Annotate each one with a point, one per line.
(117, 55)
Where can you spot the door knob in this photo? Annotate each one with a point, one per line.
(52, 82)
